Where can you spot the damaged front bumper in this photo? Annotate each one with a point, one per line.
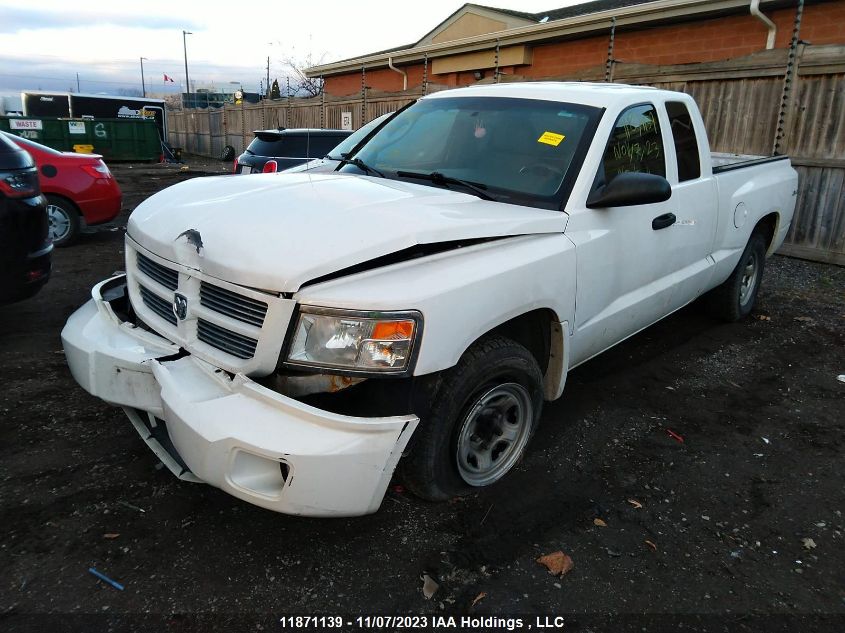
(230, 432)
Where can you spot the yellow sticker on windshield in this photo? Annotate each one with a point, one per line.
(550, 138)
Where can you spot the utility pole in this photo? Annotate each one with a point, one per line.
(77, 83)
(268, 77)
(185, 48)
(143, 85)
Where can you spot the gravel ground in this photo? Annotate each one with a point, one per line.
(737, 527)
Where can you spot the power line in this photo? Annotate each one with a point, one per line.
(115, 63)
(99, 81)
(90, 62)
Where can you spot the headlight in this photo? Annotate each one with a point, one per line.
(354, 341)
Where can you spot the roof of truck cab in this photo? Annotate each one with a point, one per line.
(602, 95)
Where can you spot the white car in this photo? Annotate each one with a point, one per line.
(414, 310)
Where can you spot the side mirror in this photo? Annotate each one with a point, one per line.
(630, 188)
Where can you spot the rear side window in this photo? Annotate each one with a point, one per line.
(686, 145)
(320, 146)
(269, 146)
(294, 146)
(634, 145)
(279, 147)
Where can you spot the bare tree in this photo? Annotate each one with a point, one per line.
(300, 84)
(173, 102)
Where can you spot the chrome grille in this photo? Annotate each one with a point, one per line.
(230, 342)
(160, 306)
(167, 277)
(232, 304)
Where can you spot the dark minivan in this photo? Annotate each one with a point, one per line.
(25, 248)
(276, 150)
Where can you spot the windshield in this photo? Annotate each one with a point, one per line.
(523, 151)
(350, 142)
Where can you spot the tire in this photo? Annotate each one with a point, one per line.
(65, 223)
(735, 298)
(228, 154)
(483, 415)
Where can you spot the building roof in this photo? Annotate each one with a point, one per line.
(516, 14)
(526, 28)
(570, 11)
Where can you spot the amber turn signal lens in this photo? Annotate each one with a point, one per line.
(393, 330)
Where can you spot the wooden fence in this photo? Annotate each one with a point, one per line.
(207, 132)
(742, 100)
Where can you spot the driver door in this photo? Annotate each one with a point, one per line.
(623, 254)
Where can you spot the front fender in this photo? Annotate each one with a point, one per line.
(463, 293)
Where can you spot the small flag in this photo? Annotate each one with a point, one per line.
(166, 78)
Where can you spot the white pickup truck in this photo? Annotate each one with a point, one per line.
(294, 339)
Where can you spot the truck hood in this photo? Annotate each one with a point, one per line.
(278, 231)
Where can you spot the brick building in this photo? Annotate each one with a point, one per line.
(476, 42)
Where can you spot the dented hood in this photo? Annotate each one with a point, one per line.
(278, 231)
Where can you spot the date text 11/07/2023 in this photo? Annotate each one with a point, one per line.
(424, 622)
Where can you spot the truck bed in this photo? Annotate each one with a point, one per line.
(723, 161)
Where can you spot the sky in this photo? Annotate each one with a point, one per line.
(44, 43)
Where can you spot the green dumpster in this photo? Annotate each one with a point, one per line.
(115, 139)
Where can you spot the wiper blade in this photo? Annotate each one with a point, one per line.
(439, 179)
(360, 165)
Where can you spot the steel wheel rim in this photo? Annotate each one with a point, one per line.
(494, 434)
(59, 222)
(749, 278)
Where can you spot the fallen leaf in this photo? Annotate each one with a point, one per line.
(804, 319)
(430, 586)
(762, 317)
(635, 503)
(478, 598)
(599, 523)
(651, 545)
(557, 563)
(808, 543)
(111, 535)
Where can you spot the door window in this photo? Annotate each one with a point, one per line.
(635, 144)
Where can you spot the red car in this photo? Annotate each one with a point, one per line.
(79, 188)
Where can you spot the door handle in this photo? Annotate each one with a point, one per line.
(662, 221)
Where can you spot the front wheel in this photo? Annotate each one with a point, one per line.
(735, 298)
(63, 220)
(484, 413)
